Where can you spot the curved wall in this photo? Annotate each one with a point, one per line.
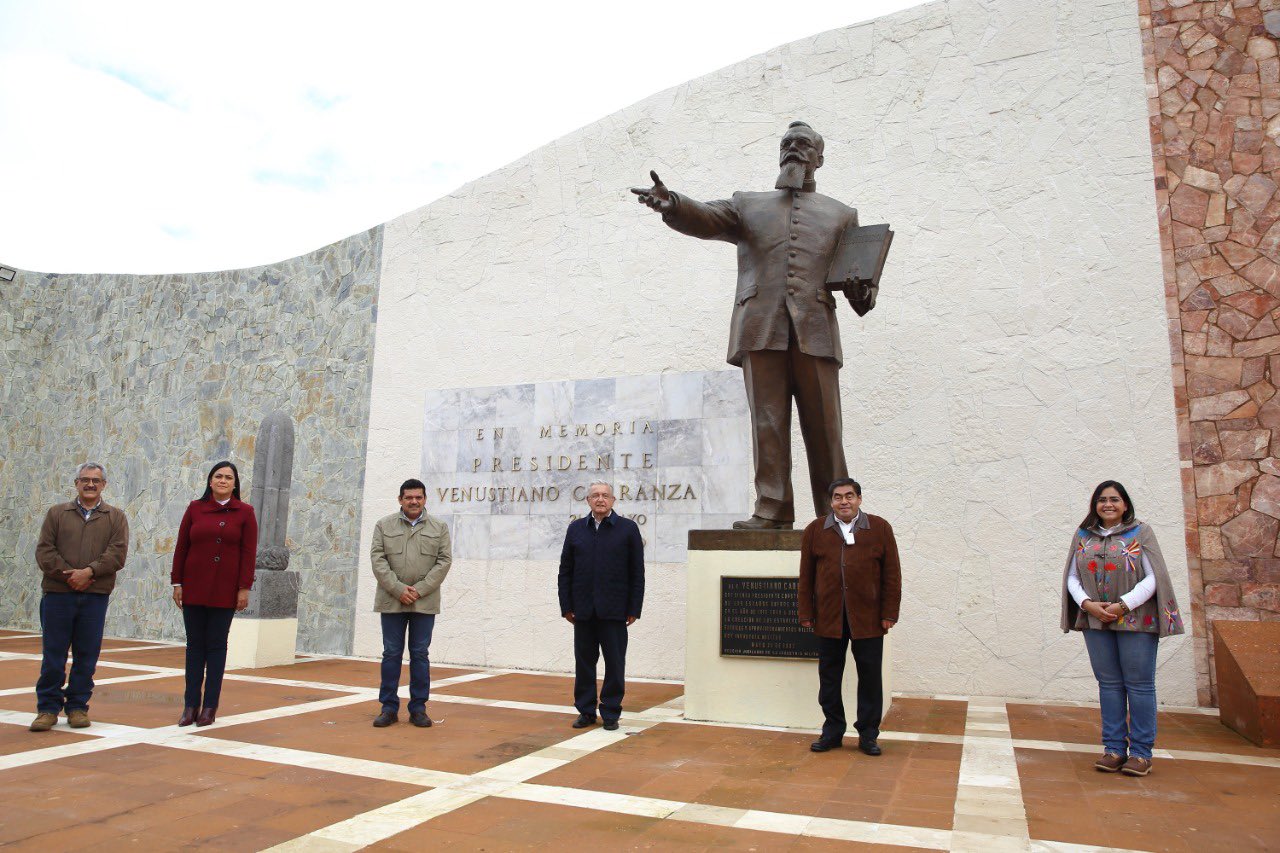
(159, 376)
(1019, 353)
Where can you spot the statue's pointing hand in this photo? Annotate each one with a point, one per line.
(657, 197)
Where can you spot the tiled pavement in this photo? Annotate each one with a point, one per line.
(293, 764)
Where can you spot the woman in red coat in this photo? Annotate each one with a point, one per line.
(212, 576)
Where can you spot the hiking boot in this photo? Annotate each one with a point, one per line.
(1136, 766)
(44, 721)
(78, 719)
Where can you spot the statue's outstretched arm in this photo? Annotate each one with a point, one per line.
(714, 220)
(657, 196)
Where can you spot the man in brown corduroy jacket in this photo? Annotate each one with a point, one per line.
(83, 543)
(849, 591)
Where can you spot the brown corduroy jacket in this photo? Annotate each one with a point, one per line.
(67, 541)
(863, 579)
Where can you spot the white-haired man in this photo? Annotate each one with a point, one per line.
(601, 591)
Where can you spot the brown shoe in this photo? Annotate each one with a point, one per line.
(207, 716)
(44, 721)
(1136, 766)
(1109, 762)
(188, 716)
(78, 719)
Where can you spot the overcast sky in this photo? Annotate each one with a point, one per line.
(177, 136)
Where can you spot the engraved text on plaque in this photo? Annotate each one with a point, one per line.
(758, 619)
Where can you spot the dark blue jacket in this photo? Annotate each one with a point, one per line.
(602, 571)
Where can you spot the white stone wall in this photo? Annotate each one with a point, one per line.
(1019, 353)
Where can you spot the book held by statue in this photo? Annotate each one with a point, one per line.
(857, 264)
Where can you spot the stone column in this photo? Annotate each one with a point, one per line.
(1213, 81)
(266, 632)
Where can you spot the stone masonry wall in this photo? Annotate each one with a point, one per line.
(158, 376)
(1213, 80)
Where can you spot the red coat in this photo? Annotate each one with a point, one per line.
(216, 550)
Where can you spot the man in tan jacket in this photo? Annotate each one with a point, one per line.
(411, 557)
(83, 543)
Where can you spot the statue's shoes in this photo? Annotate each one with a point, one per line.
(755, 522)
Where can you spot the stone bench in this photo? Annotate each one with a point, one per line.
(1247, 658)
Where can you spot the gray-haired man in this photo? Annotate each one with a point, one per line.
(83, 543)
(601, 591)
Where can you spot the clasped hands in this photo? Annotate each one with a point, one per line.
(1106, 614)
(409, 596)
(78, 579)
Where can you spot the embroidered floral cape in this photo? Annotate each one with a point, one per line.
(1109, 566)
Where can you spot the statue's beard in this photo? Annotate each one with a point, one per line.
(791, 176)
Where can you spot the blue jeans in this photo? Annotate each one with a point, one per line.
(69, 621)
(1124, 662)
(420, 626)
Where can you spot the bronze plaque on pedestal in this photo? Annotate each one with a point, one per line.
(758, 619)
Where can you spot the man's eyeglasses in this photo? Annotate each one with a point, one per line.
(90, 481)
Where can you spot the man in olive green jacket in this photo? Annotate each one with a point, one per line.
(411, 557)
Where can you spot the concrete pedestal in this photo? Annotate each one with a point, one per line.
(756, 691)
(262, 642)
(266, 632)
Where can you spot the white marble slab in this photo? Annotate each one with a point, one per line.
(508, 467)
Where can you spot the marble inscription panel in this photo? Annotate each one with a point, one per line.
(508, 467)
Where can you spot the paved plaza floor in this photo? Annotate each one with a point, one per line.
(293, 764)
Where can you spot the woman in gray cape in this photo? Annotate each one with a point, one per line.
(1116, 592)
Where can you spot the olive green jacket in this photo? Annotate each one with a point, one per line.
(410, 555)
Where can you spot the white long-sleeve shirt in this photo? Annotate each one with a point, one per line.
(1133, 599)
(847, 528)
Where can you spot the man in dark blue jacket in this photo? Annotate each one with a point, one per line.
(601, 591)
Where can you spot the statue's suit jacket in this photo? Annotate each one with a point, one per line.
(786, 240)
